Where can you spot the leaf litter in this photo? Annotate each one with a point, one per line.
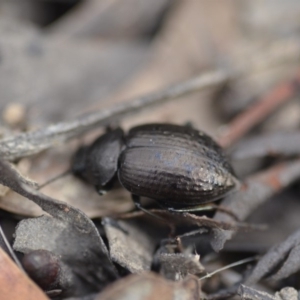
(248, 293)
(150, 286)
(258, 187)
(279, 262)
(67, 232)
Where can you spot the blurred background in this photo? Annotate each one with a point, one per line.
(61, 58)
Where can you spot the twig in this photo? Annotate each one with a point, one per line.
(33, 142)
(245, 121)
(5, 245)
(237, 263)
(257, 189)
(275, 144)
(279, 262)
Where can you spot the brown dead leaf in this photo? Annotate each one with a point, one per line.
(15, 284)
(129, 245)
(68, 189)
(248, 293)
(66, 231)
(279, 262)
(217, 232)
(150, 286)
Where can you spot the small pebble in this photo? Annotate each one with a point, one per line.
(14, 114)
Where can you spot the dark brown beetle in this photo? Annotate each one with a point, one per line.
(177, 166)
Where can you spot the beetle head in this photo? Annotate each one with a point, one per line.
(98, 163)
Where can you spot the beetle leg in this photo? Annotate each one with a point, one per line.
(206, 207)
(137, 202)
(136, 199)
(197, 208)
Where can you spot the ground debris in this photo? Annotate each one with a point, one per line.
(150, 286)
(67, 232)
(248, 293)
(258, 188)
(279, 262)
(129, 245)
(15, 284)
(176, 266)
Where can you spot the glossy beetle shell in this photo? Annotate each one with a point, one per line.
(175, 165)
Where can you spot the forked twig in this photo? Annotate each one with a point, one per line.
(260, 110)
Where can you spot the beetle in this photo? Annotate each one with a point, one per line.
(178, 166)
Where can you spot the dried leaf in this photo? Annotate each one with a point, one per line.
(248, 293)
(150, 286)
(257, 189)
(176, 266)
(14, 283)
(217, 232)
(279, 262)
(287, 293)
(130, 246)
(66, 232)
(50, 273)
(68, 189)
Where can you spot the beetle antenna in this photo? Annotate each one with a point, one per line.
(54, 179)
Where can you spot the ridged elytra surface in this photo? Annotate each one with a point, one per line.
(176, 165)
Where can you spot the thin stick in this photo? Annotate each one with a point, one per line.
(245, 121)
(9, 249)
(237, 263)
(33, 142)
